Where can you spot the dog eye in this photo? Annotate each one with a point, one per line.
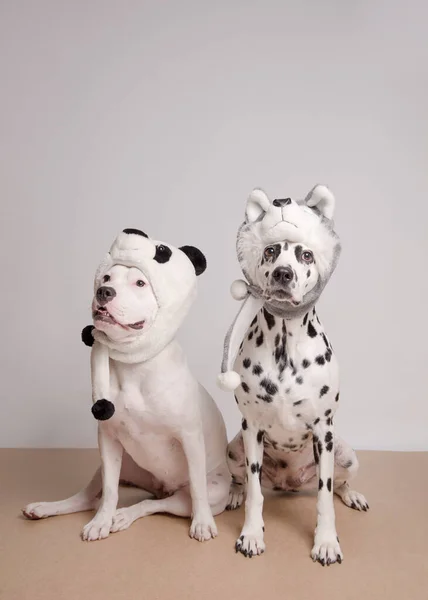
(307, 256)
(106, 278)
(140, 283)
(269, 251)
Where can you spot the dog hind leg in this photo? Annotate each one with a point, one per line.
(84, 500)
(346, 468)
(236, 464)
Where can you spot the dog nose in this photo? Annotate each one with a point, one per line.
(282, 202)
(105, 294)
(283, 275)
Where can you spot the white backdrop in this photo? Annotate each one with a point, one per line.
(163, 116)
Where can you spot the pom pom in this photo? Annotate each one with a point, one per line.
(239, 289)
(229, 381)
(103, 409)
(87, 337)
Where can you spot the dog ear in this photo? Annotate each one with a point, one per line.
(87, 337)
(257, 204)
(196, 257)
(321, 198)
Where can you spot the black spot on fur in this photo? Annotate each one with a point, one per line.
(329, 421)
(329, 484)
(255, 467)
(337, 398)
(231, 455)
(297, 402)
(325, 340)
(320, 484)
(103, 409)
(259, 339)
(265, 398)
(163, 254)
(236, 399)
(86, 335)
(329, 447)
(327, 412)
(277, 339)
(282, 464)
(266, 273)
(257, 370)
(328, 437)
(270, 387)
(320, 360)
(317, 420)
(244, 424)
(253, 321)
(247, 363)
(299, 380)
(305, 318)
(312, 332)
(306, 363)
(270, 319)
(324, 390)
(245, 387)
(250, 335)
(260, 434)
(328, 355)
(136, 232)
(308, 273)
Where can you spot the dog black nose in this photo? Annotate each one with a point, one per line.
(283, 275)
(282, 202)
(105, 294)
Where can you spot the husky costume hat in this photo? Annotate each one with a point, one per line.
(171, 273)
(307, 221)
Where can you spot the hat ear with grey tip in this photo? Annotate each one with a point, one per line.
(257, 204)
(321, 198)
(196, 257)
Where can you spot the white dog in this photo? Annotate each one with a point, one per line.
(282, 365)
(159, 429)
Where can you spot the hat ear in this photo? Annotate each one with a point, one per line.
(196, 257)
(257, 204)
(321, 198)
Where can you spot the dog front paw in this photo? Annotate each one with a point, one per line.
(203, 529)
(236, 498)
(97, 529)
(250, 544)
(326, 549)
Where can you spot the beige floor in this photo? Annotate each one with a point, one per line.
(386, 550)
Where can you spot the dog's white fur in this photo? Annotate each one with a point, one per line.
(166, 435)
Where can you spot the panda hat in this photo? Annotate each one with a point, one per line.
(308, 221)
(172, 274)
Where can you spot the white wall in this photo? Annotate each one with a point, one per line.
(163, 116)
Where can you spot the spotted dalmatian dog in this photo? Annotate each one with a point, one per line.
(285, 370)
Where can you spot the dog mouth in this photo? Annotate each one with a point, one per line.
(281, 295)
(101, 314)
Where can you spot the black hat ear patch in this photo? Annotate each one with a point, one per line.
(163, 254)
(136, 232)
(196, 257)
(87, 337)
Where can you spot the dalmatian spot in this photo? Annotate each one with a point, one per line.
(297, 402)
(305, 319)
(255, 468)
(329, 484)
(135, 232)
(298, 415)
(244, 424)
(245, 387)
(320, 360)
(265, 398)
(163, 254)
(324, 337)
(299, 380)
(306, 363)
(257, 370)
(253, 322)
(277, 339)
(271, 253)
(266, 273)
(256, 329)
(231, 455)
(328, 355)
(250, 336)
(247, 363)
(320, 484)
(236, 399)
(317, 420)
(327, 412)
(260, 435)
(259, 340)
(329, 421)
(337, 398)
(329, 447)
(282, 464)
(270, 387)
(312, 332)
(328, 437)
(324, 390)
(308, 273)
(270, 319)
